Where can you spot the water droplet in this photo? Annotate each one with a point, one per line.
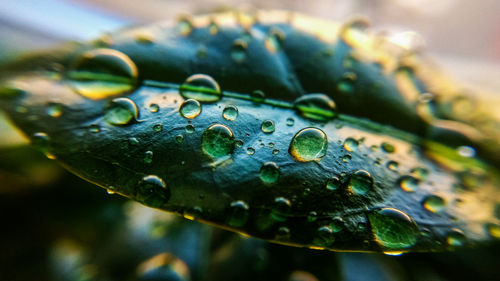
(184, 26)
(269, 173)
(434, 203)
(239, 50)
(360, 182)
(276, 151)
(267, 126)
(493, 230)
(333, 184)
(154, 108)
(393, 228)
(346, 83)
(201, 87)
(456, 238)
(324, 236)
(420, 173)
(408, 183)
(103, 73)
(121, 111)
(351, 144)
(213, 28)
(250, 151)
(392, 165)
(238, 143)
(466, 151)
(274, 39)
(315, 106)
(190, 109)
(290, 122)
(309, 144)
(189, 129)
(230, 113)
(144, 37)
(94, 128)
(337, 224)
(133, 141)
(157, 127)
(346, 158)
(238, 214)
(281, 209)
(217, 141)
(257, 96)
(179, 138)
(152, 191)
(312, 216)
(387, 147)
(42, 142)
(55, 110)
(148, 157)
(283, 233)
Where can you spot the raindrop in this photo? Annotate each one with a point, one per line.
(121, 111)
(154, 108)
(318, 107)
(360, 182)
(420, 173)
(189, 129)
(267, 126)
(190, 109)
(179, 138)
(201, 87)
(346, 83)
(408, 183)
(269, 173)
(94, 128)
(290, 122)
(103, 73)
(230, 113)
(152, 191)
(466, 151)
(393, 228)
(217, 141)
(309, 144)
(434, 203)
(351, 144)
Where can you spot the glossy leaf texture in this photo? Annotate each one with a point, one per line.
(278, 126)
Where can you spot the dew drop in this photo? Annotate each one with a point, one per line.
(189, 129)
(393, 228)
(103, 73)
(267, 126)
(257, 96)
(290, 122)
(309, 144)
(238, 213)
(152, 191)
(274, 40)
(456, 238)
(157, 127)
(351, 144)
(94, 128)
(184, 26)
(190, 109)
(420, 173)
(275, 151)
(42, 142)
(121, 111)
(230, 113)
(409, 183)
(217, 141)
(179, 138)
(333, 184)
(201, 87)
(239, 50)
(392, 165)
(312, 216)
(154, 108)
(360, 182)
(54, 110)
(269, 173)
(281, 209)
(434, 203)
(250, 151)
(318, 107)
(148, 157)
(324, 236)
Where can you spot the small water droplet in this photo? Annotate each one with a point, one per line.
(201, 87)
(190, 109)
(466, 151)
(238, 143)
(42, 142)
(456, 238)
(387, 147)
(493, 230)
(346, 158)
(333, 184)
(360, 182)
(392, 165)
(351, 144)
(409, 183)
(267, 126)
(94, 128)
(230, 112)
(133, 141)
(217, 141)
(55, 110)
(309, 144)
(281, 209)
(157, 127)
(184, 26)
(276, 151)
(393, 228)
(269, 173)
(346, 83)
(152, 191)
(434, 203)
(121, 111)
(250, 151)
(257, 96)
(239, 50)
(103, 73)
(312, 216)
(179, 138)
(213, 28)
(420, 173)
(148, 157)
(274, 39)
(189, 129)
(238, 213)
(144, 38)
(154, 108)
(290, 122)
(324, 236)
(315, 106)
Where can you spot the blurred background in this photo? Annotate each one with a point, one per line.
(58, 227)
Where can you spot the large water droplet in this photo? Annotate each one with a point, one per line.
(230, 113)
(201, 87)
(121, 111)
(315, 106)
(309, 144)
(434, 203)
(360, 182)
(393, 228)
(190, 108)
(238, 214)
(269, 173)
(103, 73)
(217, 141)
(267, 126)
(281, 209)
(152, 191)
(408, 183)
